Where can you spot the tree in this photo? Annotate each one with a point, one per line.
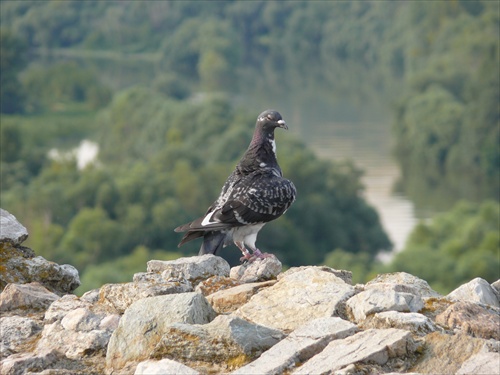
(12, 61)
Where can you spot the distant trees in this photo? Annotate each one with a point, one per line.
(12, 61)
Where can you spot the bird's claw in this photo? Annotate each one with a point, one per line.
(257, 254)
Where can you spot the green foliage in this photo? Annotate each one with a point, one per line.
(455, 247)
(361, 265)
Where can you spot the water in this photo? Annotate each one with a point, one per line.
(369, 145)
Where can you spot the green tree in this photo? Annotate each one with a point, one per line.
(12, 61)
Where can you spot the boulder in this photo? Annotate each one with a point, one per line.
(16, 331)
(402, 282)
(477, 290)
(22, 363)
(416, 323)
(214, 284)
(481, 363)
(227, 341)
(29, 297)
(375, 300)
(472, 319)
(163, 367)
(228, 300)
(58, 309)
(258, 270)
(13, 231)
(145, 322)
(296, 299)
(299, 346)
(370, 346)
(344, 275)
(194, 269)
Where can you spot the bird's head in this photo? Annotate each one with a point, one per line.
(269, 120)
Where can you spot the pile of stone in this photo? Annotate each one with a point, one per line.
(196, 315)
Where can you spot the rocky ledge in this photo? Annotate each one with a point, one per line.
(195, 315)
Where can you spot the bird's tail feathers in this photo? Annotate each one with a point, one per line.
(212, 242)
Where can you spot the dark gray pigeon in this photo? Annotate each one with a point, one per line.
(254, 194)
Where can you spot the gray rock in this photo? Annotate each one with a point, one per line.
(19, 364)
(227, 340)
(374, 300)
(15, 332)
(12, 231)
(121, 296)
(373, 345)
(228, 300)
(258, 270)
(299, 346)
(92, 296)
(472, 319)
(296, 299)
(481, 363)
(163, 367)
(31, 297)
(63, 306)
(476, 290)
(194, 269)
(76, 335)
(402, 282)
(214, 284)
(344, 275)
(145, 321)
(414, 322)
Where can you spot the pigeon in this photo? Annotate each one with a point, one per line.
(254, 194)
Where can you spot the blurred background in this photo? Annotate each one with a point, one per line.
(120, 120)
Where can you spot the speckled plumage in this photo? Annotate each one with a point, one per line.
(254, 194)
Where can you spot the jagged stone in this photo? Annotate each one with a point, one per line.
(472, 319)
(21, 266)
(416, 323)
(121, 296)
(215, 283)
(58, 309)
(194, 269)
(476, 290)
(445, 354)
(13, 231)
(258, 270)
(299, 346)
(344, 275)
(145, 321)
(21, 363)
(481, 363)
(30, 297)
(164, 367)
(228, 300)
(373, 345)
(227, 340)
(15, 332)
(402, 282)
(296, 299)
(374, 300)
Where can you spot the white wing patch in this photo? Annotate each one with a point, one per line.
(206, 219)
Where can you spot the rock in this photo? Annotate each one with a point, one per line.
(63, 306)
(19, 364)
(402, 282)
(76, 335)
(215, 283)
(16, 331)
(228, 300)
(33, 297)
(416, 323)
(92, 296)
(162, 367)
(374, 300)
(228, 341)
(145, 321)
(296, 299)
(496, 286)
(481, 363)
(21, 266)
(121, 296)
(299, 346)
(373, 346)
(445, 354)
(344, 275)
(194, 269)
(472, 319)
(13, 231)
(258, 270)
(476, 290)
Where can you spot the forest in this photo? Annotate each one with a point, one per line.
(169, 90)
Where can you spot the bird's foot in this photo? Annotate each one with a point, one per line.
(260, 255)
(257, 254)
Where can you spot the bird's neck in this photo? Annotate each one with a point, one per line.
(261, 153)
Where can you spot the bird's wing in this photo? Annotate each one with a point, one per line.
(257, 198)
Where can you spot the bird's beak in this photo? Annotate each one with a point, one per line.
(282, 124)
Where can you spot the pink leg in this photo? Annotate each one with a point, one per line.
(245, 252)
